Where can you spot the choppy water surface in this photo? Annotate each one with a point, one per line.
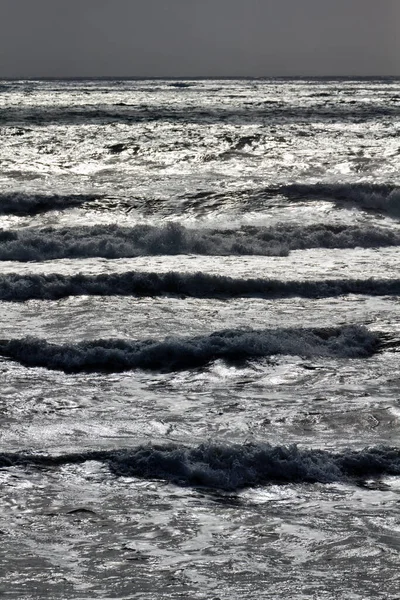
(199, 352)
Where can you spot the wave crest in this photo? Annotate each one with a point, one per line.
(177, 353)
(229, 467)
(112, 241)
(383, 198)
(19, 288)
(21, 203)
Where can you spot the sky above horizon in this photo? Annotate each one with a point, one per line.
(183, 38)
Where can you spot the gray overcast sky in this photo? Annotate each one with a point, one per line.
(57, 38)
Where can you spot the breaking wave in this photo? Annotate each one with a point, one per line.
(112, 241)
(229, 467)
(174, 353)
(19, 288)
(18, 203)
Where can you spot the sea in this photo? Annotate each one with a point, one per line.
(200, 336)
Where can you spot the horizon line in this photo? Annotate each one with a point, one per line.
(188, 77)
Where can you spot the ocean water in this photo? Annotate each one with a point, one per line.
(200, 334)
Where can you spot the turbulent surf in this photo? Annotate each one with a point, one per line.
(199, 353)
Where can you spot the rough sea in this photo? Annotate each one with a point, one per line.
(200, 336)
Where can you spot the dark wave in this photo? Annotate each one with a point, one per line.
(112, 241)
(18, 203)
(175, 353)
(267, 111)
(379, 198)
(19, 288)
(229, 467)
(383, 198)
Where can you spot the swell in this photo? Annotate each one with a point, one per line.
(22, 203)
(374, 197)
(258, 112)
(112, 241)
(382, 198)
(229, 467)
(176, 353)
(19, 288)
